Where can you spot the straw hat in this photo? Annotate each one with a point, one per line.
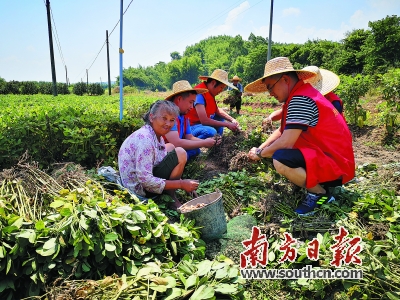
(325, 81)
(274, 66)
(236, 78)
(219, 75)
(184, 86)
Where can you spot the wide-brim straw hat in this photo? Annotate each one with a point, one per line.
(219, 75)
(325, 81)
(236, 78)
(274, 66)
(184, 86)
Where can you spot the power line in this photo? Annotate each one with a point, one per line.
(105, 40)
(216, 17)
(56, 37)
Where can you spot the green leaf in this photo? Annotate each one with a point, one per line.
(57, 204)
(51, 243)
(204, 292)
(40, 225)
(204, 267)
(111, 237)
(6, 284)
(225, 288)
(393, 295)
(143, 272)
(221, 273)
(171, 282)
(192, 280)
(110, 247)
(131, 268)
(10, 229)
(174, 294)
(18, 223)
(158, 288)
(65, 212)
(28, 234)
(140, 216)
(85, 267)
(9, 261)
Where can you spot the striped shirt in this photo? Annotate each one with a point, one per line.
(302, 112)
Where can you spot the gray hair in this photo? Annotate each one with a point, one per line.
(161, 106)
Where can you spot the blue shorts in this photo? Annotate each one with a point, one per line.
(293, 158)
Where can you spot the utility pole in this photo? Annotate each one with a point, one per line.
(66, 76)
(270, 30)
(87, 81)
(53, 67)
(108, 65)
(121, 74)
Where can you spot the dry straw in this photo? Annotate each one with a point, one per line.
(325, 81)
(184, 86)
(219, 75)
(274, 66)
(236, 78)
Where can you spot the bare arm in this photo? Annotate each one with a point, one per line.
(201, 112)
(189, 185)
(189, 142)
(285, 141)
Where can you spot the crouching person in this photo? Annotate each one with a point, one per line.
(148, 167)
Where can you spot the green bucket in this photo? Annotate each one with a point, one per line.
(210, 217)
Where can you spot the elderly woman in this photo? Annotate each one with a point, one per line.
(149, 167)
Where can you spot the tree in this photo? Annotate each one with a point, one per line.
(382, 46)
(2, 86)
(351, 59)
(175, 55)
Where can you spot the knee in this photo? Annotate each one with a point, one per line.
(181, 154)
(169, 147)
(279, 167)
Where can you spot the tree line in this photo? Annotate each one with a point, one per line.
(362, 51)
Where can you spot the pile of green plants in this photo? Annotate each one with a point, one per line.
(85, 231)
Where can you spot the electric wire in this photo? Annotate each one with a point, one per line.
(216, 17)
(55, 33)
(106, 40)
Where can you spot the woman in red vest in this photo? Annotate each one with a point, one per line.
(207, 119)
(313, 146)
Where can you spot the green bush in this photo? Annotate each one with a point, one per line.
(29, 88)
(62, 88)
(2, 85)
(12, 87)
(45, 88)
(96, 89)
(79, 88)
(129, 89)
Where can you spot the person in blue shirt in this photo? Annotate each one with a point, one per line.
(180, 135)
(238, 94)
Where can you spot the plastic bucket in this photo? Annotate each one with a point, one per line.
(211, 216)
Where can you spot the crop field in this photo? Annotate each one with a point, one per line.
(67, 233)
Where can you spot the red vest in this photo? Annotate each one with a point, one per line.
(333, 97)
(210, 106)
(327, 147)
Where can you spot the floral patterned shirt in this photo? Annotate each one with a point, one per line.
(138, 155)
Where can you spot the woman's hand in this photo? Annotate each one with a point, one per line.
(189, 185)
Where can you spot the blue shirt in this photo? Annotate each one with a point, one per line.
(239, 87)
(182, 121)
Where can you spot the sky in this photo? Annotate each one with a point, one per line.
(153, 29)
